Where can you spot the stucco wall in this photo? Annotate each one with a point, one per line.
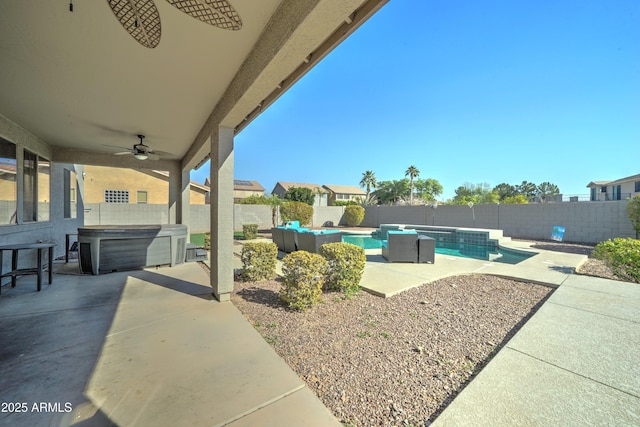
(100, 178)
(586, 222)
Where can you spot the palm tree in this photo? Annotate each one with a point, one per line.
(412, 172)
(275, 202)
(368, 180)
(318, 192)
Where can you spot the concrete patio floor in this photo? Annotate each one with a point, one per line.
(145, 348)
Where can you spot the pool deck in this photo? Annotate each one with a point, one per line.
(387, 279)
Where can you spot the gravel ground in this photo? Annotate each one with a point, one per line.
(398, 361)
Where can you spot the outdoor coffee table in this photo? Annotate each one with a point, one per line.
(15, 271)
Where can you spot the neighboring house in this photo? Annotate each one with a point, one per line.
(241, 189)
(143, 186)
(620, 189)
(344, 193)
(321, 194)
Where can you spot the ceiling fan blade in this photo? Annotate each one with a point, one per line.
(153, 156)
(218, 13)
(122, 153)
(140, 18)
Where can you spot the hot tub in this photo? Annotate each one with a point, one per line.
(108, 248)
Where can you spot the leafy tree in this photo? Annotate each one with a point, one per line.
(633, 209)
(505, 190)
(299, 194)
(427, 189)
(275, 202)
(476, 194)
(390, 192)
(547, 189)
(412, 172)
(527, 189)
(368, 180)
(515, 200)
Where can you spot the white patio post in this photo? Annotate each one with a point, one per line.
(222, 213)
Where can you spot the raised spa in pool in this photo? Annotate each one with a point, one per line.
(492, 253)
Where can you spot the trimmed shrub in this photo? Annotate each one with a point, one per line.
(346, 265)
(296, 211)
(353, 215)
(258, 261)
(207, 240)
(304, 275)
(250, 231)
(622, 256)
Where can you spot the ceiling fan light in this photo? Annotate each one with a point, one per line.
(141, 156)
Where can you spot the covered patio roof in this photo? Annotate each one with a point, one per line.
(76, 79)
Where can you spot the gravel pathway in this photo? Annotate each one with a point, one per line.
(398, 361)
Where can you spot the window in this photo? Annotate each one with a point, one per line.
(29, 192)
(116, 196)
(594, 196)
(603, 189)
(637, 188)
(141, 197)
(43, 193)
(8, 192)
(70, 190)
(617, 195)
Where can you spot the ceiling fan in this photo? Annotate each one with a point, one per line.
(141, 18)
(141, 151)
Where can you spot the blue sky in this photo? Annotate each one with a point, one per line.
(468, 92)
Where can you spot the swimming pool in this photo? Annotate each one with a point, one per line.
(487, 253)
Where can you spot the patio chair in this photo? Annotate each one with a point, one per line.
(426, 249)
(290, 240)
(401, 246)
(312, 240)
(277, 235)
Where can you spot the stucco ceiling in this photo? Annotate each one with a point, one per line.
(78, 80)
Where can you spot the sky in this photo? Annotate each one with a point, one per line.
(468, 92)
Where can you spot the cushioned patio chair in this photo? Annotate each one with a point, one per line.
(290, 238)
(401, 246)
(311, 241)
(277, 235)
(426, 249)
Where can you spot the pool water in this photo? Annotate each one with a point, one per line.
(487, 253)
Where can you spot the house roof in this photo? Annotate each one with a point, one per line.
(191, 183)
(631, 178)
(288, 185)
(241, 184)
(345, 189)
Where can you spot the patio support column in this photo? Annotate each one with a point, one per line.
(179, 196)
(222, 213)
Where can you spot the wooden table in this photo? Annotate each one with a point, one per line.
(15, 271)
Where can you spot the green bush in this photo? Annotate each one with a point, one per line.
(346, 265)
(353, 215)
(633, 210)
(296, 211)
(344, 203)
(250, 231)
(622, 256)
(304, 275)
(207, 240)
(258, 261)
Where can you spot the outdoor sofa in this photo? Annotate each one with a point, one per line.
(408, 246)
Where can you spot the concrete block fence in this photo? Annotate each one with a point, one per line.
(585, 222)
